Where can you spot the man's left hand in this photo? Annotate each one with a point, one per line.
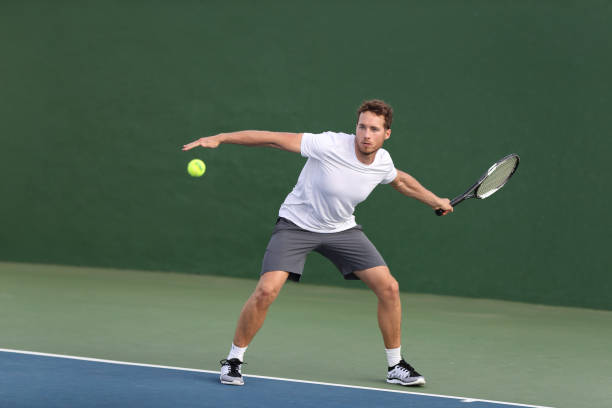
(444, 205)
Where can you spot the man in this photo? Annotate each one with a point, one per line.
(341, 171)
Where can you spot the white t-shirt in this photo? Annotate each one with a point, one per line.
(332, 183)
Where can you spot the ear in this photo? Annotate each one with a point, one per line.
(387, 134)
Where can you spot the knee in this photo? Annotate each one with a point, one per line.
(265, 295)
(390, 290)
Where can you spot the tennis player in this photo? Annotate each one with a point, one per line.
(341, 171)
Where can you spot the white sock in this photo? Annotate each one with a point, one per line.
(394, 356)
(237, 352)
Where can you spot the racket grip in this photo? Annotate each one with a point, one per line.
(453, 203)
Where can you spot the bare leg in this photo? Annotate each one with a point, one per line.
(256, 307)
(386, 288)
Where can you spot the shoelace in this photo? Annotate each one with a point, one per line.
(233, 364)
(404, 366)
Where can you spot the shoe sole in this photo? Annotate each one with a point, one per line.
(418, 381)
(235, 382)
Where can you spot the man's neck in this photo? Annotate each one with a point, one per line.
(363, 157)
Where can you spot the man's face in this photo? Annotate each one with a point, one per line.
(371, 132)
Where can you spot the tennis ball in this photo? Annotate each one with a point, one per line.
(196, 168)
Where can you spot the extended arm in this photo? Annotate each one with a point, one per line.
(409, 186)
(280, 140)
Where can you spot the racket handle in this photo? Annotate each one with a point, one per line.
(453, 203)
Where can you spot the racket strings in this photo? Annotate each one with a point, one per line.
(497, 178)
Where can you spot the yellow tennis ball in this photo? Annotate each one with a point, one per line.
(196, 168)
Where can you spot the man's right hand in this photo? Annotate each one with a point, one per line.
(209, 142)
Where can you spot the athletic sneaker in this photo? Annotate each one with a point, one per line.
(230, 372)
(403, 373)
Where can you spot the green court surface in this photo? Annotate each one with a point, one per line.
(474, 348)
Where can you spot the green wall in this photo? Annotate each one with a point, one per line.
(97, 97)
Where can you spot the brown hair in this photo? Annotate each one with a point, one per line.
(378, 107)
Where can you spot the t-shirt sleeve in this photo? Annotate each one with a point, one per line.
(392, 172)
(390, 176)
(316, 145)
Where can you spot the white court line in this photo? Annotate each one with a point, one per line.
(463, 399)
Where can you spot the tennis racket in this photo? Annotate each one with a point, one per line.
(494, 179)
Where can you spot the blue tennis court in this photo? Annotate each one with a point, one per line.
(44, 380)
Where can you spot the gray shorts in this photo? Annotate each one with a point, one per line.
(349, 250)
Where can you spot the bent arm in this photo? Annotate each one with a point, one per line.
(409, 186)
(280, 140)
